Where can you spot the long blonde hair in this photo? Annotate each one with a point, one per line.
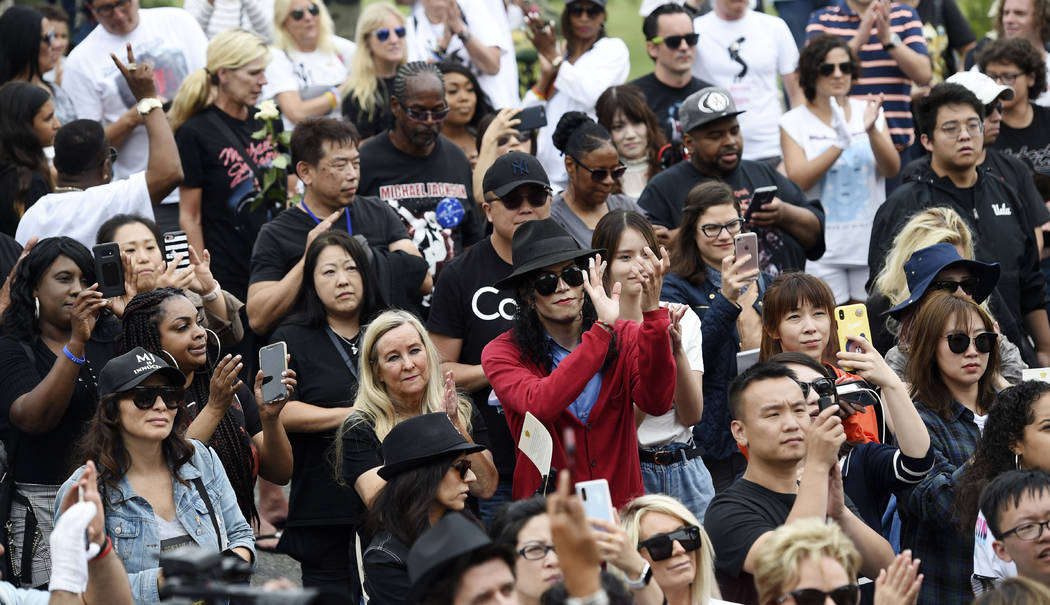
(363, 82)
(231, 49)
(779, 557)
(926, 228)
(704, 587)
(284, 40)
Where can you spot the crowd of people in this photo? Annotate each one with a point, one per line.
(776, 311)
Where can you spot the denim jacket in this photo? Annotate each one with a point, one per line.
(131, 522)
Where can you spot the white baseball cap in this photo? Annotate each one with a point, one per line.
(986, 89)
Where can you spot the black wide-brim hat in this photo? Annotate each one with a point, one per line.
(924, 264)
(538, 244)
(420, 440)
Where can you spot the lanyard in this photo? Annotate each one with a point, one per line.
(350, 365)
(349, 229)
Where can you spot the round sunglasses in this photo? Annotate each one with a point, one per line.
(299, 13)
(983, 342)
(383, 34)
(661, 546)
(546, 282)
(145, 397)
(843, 595)
(600, 174)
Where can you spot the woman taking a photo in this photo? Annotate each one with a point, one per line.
(28, 46)
(524, 528)
(380, 51)
(339, 295)
(838, 149)
(625, 113)
(468, 104)
(27, 126)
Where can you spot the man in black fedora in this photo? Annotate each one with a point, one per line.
(454, 562)
(572, 363)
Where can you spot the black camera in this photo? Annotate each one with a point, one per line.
(193, 575)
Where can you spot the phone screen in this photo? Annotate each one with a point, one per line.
(273, 363)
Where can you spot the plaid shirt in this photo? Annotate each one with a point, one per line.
(928, 523)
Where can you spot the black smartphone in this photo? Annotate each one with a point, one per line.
(273, 361)
(760, 197)
(175, 242)
(109, 269)
(532, 118)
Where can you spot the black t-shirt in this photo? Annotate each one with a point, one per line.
(664, 100)
(466, 306)
(324, 380)
(380, 120)
(10, 250)
(946, 19)
(212, 163)
(10, 213)
(665, 194)
(432, 191)
(1031, 144)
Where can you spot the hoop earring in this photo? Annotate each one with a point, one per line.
(171, 359)
(36, 311)
(212, 354)
(1017, 461)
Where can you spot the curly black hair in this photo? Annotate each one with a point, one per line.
(1010, 413)
(1021, 53)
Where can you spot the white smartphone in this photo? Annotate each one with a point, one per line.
(597, 502)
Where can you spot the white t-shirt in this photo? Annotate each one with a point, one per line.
(987, 564)
(10, 595)
(220, 15)
(661, 430)
(768, 50)
(79, 214)
(169, 38)
(310, 74)
(851, 191)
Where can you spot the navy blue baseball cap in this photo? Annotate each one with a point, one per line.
(924, 265)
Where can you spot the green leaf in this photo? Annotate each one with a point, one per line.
(268, 179)
(281, 162)
(284, 138)
(259, 134)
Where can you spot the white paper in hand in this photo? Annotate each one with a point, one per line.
(1042, 374)
(536, 443)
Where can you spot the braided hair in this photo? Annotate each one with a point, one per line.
(230, 441)
(411, 70)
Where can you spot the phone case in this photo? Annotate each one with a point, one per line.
(746, 243)
(759, 198)
(851, 320)
(532, 118)
(273, 361)
(109, 269)
(597, 502)
(175, 242)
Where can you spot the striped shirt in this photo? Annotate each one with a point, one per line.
(881, 72)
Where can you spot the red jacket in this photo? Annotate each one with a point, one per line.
(607, 447)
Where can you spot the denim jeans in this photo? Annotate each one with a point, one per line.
(689, 481)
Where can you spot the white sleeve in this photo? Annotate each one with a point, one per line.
(280, 74)
(131, 196)
(200, 10)
(194, 41)
(787, 51)
(606, 64)
(693, 340)
(483, 24)
(82, 88)
(260, 13)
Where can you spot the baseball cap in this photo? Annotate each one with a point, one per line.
(511, 170)
(985, 88)
(132, 369)
(706, 105)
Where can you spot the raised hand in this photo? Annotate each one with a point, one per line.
(824, 438)
(899, 583)
(606, 305)
(542, 35)
(652, 277)
(866, 362)
(139, 76)
(450, 400)
(86, 308)
(224, 383)
(321, 227)
(173, 277)
(272, 410)
(735, 277)
(871, 110)
(676, 312)
(203, 281)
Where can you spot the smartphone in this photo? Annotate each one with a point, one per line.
(857, 394)
(568, 440)
(109, 269)
(851, 320)
(273, 361)
(175, 242)
(760, 197)
(744, 244)
(597, 503)
(532, 118)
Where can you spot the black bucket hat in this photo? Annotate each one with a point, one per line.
(422, 439)
(538, 244)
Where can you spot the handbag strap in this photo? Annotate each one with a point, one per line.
(203, 492)
(227, 133)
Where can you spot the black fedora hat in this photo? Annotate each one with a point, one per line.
(419, 440)
(538, 244)
(450, 538)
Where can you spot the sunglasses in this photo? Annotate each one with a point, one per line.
(145, 397)
(826, 69)
(824, 387)
(535, 196)
(48, 38)
(107, 9)
(983, 342)
(968, 285)
(991, 108)
(600, 174)
(660, 546)
(426, 115)
(676, 41)
(547, 281)
(299, 13)
(592, 11)
(843, 595)
(522, 137)
(462, 467)
(383, 34)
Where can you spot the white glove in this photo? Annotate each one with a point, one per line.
(69, 549)
(838, 122)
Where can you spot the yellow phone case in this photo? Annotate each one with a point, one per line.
(851, 320)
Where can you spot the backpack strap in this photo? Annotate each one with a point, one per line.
(203, 492)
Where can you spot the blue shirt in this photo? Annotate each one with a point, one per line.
(580, 408)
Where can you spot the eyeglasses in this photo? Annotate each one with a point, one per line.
(713, 230)
(1005, 79)
(299, 13)
(843, 595)
(425, 115)
(676, 41)
(983, 342)
(107, 9)
(145, 397)
(593, 11)
(826, 69)
(535, 196)
(462, 467)
(968, 285)
(383, 34)
(991, 108)
(547, 281)
(953, 130)
(535, 551)
(522, 137)
(1028, 531)
(661, 546)
(600, 174)
(824, 387)
(48, 38)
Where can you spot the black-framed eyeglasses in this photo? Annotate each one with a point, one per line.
(843, 595)
(535, 551)
(144, 397)
(536, 196)
(425, 115)
(826, 69)
(991, 108)
(674, 42)
(1028, 531)
(983, 342)
(462, 466)
(383, 34)
(600, 174)
(107, 9)
(953, 130)
(546, 282)
(1005, 79)
(592, 10)
(968, 285)
(299, 13)
(824, 387)
(661, 546)
(48, 38)
(713, 230)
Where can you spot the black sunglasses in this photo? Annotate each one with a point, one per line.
(383, 34)
(600, 174)
(535, 196)
(299, 13)
(660, 546)
(107, 9)
(48, 38)
(991, 108)
(522, 137)
(968, 285)
(547, 281)
(462, 466)
(983, 342)
(592, 11)
(843, 595)
(425, 115)
(676, 41)
(826, 69)
(145, 397)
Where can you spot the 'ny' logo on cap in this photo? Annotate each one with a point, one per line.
(520, 167)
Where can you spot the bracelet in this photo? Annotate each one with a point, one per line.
(210, 296)
(77, 360)
(334, 92)
(536, 91)
(605, 325)
(105, 549)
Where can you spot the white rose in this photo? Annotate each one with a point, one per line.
(268, 110)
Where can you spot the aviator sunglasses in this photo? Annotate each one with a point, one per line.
(843, 595)
(145, 397)
(383, 34)
(983, 342)
(826, 69)
(547, 281)
(298, 13)
(660, 546)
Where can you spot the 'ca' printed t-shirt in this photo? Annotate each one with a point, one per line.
(432, 195)
(467, 306)
(1031, 144)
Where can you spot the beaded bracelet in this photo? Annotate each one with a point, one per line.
(77, 360)
(105, 549)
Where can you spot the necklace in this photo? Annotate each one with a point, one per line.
(66, 189)
(352, 342)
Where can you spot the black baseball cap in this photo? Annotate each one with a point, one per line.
(132, 369)
(705, 106)
(511, 170)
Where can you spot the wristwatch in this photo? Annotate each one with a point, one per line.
(894, 42)
(556, 63)
(464, 36)
(643, 578)
(147, 105)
